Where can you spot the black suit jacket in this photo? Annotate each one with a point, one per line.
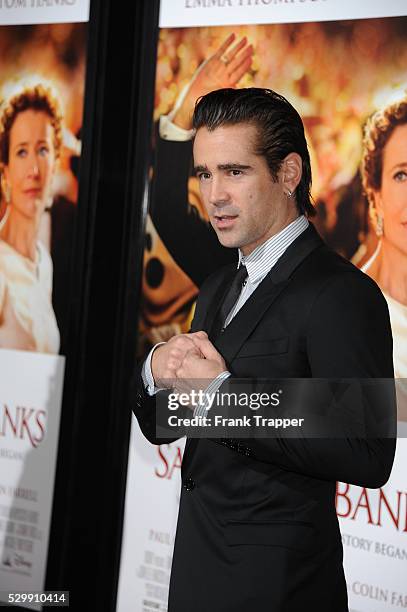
(257, 526)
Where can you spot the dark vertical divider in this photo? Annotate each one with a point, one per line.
(84, 550)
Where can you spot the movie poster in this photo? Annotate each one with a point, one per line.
(336, 73)
(42, 81)
(338, 63)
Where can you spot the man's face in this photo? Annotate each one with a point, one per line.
(244, 204)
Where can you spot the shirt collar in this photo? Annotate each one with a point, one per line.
(260, 261)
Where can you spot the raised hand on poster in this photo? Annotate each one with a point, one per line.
(224, 68)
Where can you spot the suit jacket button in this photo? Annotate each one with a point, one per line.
(189, 484)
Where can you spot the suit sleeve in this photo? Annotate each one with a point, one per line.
(348, 335)
(184, 232)
(146, 409)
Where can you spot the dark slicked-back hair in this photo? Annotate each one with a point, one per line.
(280, 130)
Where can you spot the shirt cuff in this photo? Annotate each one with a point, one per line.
(211, 389)
(169, 131)
(147, 374)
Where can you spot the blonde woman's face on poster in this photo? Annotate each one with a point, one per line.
(31, 162)
(391, 200)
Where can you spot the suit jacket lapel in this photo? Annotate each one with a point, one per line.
(302, 246)
(214, 302)
(244, 322)
(230, 341)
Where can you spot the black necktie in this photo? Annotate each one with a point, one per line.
(229, 301)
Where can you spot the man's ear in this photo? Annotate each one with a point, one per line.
(291, 172)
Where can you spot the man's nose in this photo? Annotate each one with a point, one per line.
(218, 193)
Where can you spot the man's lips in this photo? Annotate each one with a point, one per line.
(224, 221)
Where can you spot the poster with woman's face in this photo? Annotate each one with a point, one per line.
(42, 80)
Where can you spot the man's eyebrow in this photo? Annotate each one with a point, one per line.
(229, 166)
(232, 166)
(200, 169)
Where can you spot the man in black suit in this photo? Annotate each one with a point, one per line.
(257, 527)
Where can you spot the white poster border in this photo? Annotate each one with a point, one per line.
(196, 13)
(32, 12)
(31, 386)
